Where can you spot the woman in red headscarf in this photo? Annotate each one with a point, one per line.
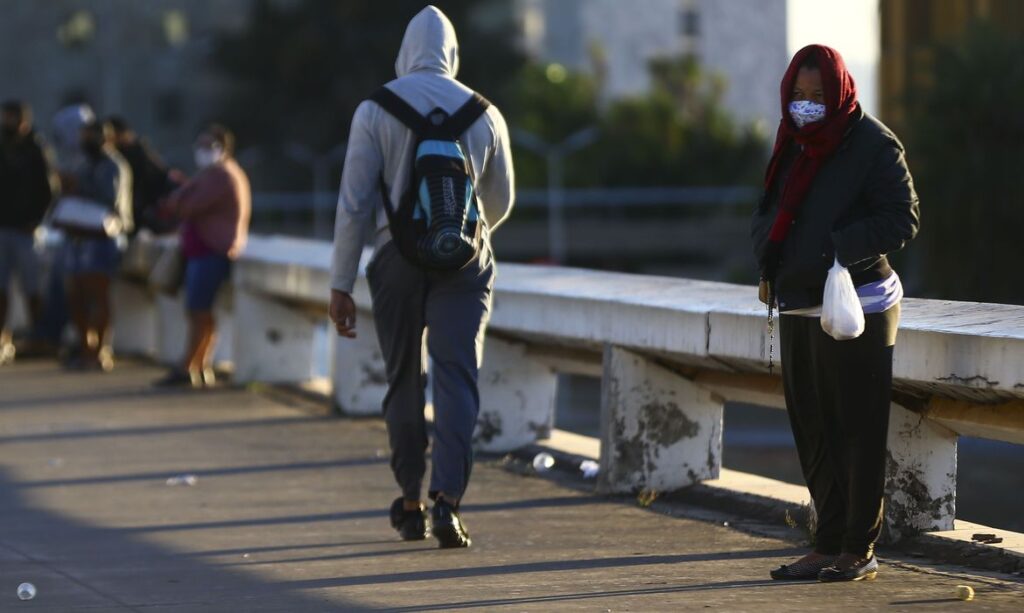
(837, 189)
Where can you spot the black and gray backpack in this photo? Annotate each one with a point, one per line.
(437, 224)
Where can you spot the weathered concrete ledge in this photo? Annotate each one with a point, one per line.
(670, 353)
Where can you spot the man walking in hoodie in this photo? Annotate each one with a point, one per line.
(451, 306)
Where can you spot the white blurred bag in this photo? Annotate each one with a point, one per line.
(842, 316)
(81, 215)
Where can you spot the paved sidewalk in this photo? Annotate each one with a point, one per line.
(289, 514)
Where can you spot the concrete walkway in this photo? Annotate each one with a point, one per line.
(289, 514)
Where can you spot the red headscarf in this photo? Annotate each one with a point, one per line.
(819, 140)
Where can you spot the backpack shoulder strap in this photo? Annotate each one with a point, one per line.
(399, 109)
(466, 116)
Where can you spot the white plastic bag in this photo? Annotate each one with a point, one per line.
(842, 316)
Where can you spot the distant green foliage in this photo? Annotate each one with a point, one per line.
(967, 147)
(552, 111)
(677, 134)
(680, 134)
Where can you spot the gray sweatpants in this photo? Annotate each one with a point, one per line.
(453, 309)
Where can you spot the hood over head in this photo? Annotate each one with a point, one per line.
(836, 81)
(429, 45)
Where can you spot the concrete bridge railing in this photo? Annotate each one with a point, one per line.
(669, 352)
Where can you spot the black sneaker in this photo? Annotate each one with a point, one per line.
(412, 525)
(447, 526)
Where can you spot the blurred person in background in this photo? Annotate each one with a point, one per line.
(28, 185)
(837, 189)
(66, 126)
(214, 208)
(152, 180)
(92, 258)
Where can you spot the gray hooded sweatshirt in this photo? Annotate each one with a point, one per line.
(380, 145)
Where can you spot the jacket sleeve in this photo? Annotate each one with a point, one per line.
(893, 216)
(358, 199)
(760, 226)
(496, 185)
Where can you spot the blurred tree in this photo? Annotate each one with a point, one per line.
(552, 103)
(967, 152)
(678, 134)
(299, 69)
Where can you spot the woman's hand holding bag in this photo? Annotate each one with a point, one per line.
(842, 316)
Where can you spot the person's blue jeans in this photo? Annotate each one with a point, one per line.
(203, 279)
(18, 257)
(92, 255)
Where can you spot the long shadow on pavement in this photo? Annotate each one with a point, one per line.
(556, 598)
(78, 566)
(108, 395)
(541, 567)
(159, 430)
(213, 472)
(557, 501)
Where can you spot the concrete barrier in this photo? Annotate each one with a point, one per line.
(670, 353)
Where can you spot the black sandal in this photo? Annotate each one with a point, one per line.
(864, 569)
(803, 570)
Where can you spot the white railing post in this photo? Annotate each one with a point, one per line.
(358, 375)
(659, 431)
(224, 315)
(135, 319)
(517, 398)
(272, 342)
(920, 475)
(172, 328)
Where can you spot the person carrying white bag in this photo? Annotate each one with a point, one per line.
(838, 198)
(842, 316)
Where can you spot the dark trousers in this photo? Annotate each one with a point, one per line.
(837, 396)
(453, 309)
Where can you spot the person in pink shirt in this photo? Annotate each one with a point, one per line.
(214, 208)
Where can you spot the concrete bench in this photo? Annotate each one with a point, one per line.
(670, 352)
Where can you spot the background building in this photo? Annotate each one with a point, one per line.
(145, 60)
(743, 41)
(150, 60)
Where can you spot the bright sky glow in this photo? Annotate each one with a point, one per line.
(851, 27)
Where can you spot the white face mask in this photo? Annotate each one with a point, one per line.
(206, 157)
(806, 112)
